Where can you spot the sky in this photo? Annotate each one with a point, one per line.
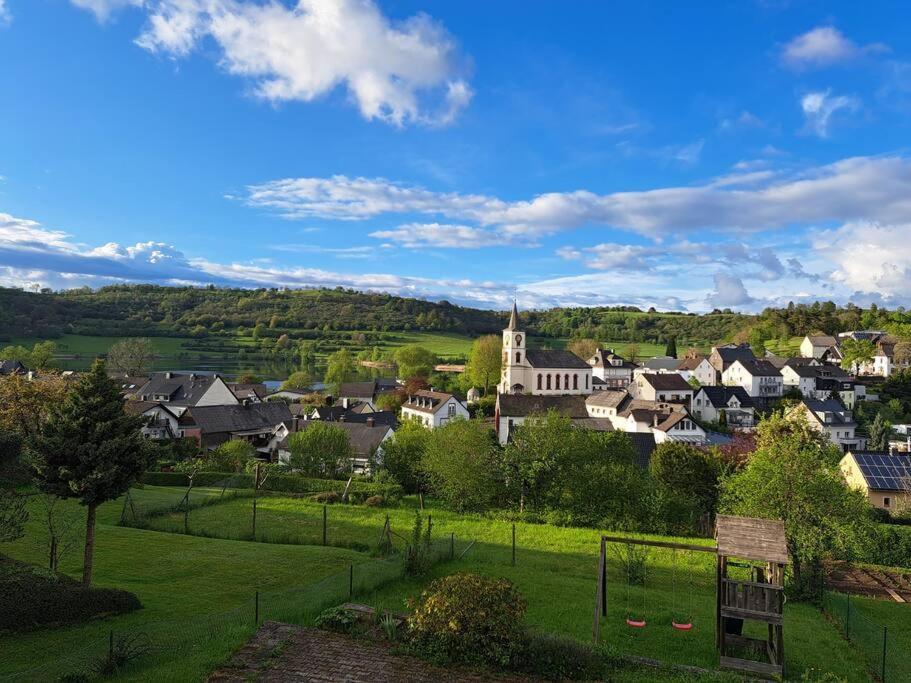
(687, 156)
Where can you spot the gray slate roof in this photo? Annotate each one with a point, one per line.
(363, 438)
(670, 381)
(719, 396)
(523, 405)
(12, 367)
(237, 418)
(183, 389)
(559, 359)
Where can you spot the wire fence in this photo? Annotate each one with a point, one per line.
(886, 656)
(160, 642)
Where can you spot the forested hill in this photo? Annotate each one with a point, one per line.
(149, 310)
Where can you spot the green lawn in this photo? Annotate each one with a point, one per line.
(866, 619)
(555, 570)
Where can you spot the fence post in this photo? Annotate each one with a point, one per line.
(885, 637)
(848, 619)
(325, 508)
(452, 546)
(256, 610)
(350, 583)
(111, 645)
(513, 544)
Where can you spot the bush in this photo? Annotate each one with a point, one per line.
(557, 657)
(31, 597)
(375, 501)
(327, 497)
(890, 545)
(336, 619)
(469, 618)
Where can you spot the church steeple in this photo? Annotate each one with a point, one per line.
(514, 317)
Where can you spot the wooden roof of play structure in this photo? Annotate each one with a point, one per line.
(751, 538)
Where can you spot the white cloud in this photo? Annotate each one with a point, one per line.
(819, 107)
(399, 72)
(445, 236)
(860, 188)
(729, 292)
(869, 257)
(5, 16)
(103, 9)
(824, 46)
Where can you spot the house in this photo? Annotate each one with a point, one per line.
(666, 421)
(249, 391)
(759, 378)
(610, 371)
(365, 438)
(539, 372)
(161, 421)
(287, 395)
(257, 423)
(606, 404)
(12, 367)
(816, 345)
(513, 409)
(884, 478)
(882, 364)
(697, 366)
(799, 377)
(183, 390)
(722, 357)
(661, 387)
(822, 382)
(433, 408)
(658, 365)
(365, 392)
(129, 384)
(728, 405)
(832, 419)
(342, 414)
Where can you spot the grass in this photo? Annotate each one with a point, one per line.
(555, 570)
(784, 348)
(868, 616)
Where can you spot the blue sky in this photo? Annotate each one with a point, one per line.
(681, 155)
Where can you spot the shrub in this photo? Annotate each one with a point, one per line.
(890, 545)
(417, 554)
(327, 497)
(31, 597)
(470, 618)
(557, 657)
(337, 619)
(375, 501)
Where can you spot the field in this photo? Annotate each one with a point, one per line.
(556, 571)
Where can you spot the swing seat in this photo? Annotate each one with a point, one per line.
(635, 623)
(682, 627)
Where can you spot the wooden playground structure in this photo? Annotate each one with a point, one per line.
(758, 545)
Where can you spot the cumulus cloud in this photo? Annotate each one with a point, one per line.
(859, 188)
(399, 72)
(729, 292)
(824, 46)
(819, 107)
(869, 257)
(5, 16)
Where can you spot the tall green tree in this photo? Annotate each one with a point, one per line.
(461, 464)
(583, 348)
(793, 475)
(131, 356)
(880, 431)
(688, 474)
(484, 361)
(415, 361)
(403, 456)
(90, 449)
(670, 349)
(340, 368)
(856, 352)
(321, 450)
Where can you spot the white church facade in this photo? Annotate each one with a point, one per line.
(540, 372)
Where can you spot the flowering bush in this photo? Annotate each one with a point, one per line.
(466, 617)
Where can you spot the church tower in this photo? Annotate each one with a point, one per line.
(512, 381)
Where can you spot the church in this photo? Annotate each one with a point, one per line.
(540, 372)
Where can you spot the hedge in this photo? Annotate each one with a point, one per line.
(32, 597)
(891, 546)
(279, 483)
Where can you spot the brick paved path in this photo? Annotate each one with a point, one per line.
(282, 652)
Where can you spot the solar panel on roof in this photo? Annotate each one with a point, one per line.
(886, 472)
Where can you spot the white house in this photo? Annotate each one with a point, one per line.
(367, 440)
(161, 421)
(513, 409)
(816, 345)
(832, 419)
(759, 378)
(800, 377)
(738, 409)
(186, 389)
(614, 371)
(666, 421)
(540, 372)
(433, 408)
(697, 366)
(606, 404)
(661, 387)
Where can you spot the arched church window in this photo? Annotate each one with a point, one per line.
(556, 381)
(575, 381)
(566, 381)
(586, 382)
(518, 356)
(540, 378)
(548, 381)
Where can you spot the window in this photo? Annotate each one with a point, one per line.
(575, 381)
(586, 381)
(556, 381)
(518, 356)
(548, 381)
(539, 381)
(887, 502)
(452, 409)
(566, 381)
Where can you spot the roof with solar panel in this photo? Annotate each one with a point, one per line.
(884, 472)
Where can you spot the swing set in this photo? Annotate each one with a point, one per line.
(762, 544)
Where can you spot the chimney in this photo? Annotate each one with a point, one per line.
(192, 376)
(371, 422)
(168, 375)
(245, 403)
(295, 423)
(655, 419)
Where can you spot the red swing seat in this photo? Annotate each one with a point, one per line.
(682, 627)
(634, 623)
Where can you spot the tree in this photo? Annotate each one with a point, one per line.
(90, 449)
(231, 456)
(880, 431)
(632, 352)
(131, 356)
(39, 357)
(901, 354)
(13, 514)
(339, 368)
(689, 474)
(484, 361)
(533, 457)
(671, 349)
(855, 353)
(583, 348)
(249, 377)
(321, 450)
(794, 476)
(297, 381)
(460, 462)
(391, 400)
(25, 404)
(403, 456)
(414, 361)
